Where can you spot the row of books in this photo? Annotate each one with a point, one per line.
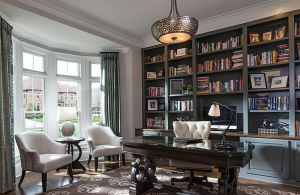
(269, 57)
(155, 123)
(297, 126)
(214, 65)
(155, 58)
(269, 103)
(297, 28)
(297, 84)
(180, 52)
(204, 86)
(181, 105)
(181, 70)
(155, 91)
(207, 47)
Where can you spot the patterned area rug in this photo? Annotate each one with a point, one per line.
(117, 182)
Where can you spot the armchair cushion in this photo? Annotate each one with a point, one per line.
(107, 150)
(49, 162)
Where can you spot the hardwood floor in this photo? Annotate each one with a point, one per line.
(32, 183)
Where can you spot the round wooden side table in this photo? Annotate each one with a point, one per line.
(70, 142)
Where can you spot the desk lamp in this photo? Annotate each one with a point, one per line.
(215, 111)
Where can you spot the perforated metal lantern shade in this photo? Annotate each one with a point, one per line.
(175, 28)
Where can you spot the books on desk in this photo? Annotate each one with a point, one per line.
(187, 140)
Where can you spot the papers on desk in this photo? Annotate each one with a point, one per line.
(187, 140)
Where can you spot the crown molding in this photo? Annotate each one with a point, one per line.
(255, 12)
(67, 15)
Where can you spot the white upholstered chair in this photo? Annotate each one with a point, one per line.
(103, 142)
(192, 129)
(40, 154)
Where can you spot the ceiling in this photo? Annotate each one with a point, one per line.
(92, 25)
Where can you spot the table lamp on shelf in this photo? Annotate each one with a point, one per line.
(67, 113)
(215, 111)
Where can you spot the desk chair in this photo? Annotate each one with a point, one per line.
(192, 129)
(103, 142)
(40, 154)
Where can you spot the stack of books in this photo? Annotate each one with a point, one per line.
(283, 53)
(237, 59)
(265, 102)
(213, 65)
(202, 85)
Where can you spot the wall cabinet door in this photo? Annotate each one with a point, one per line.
(297, 160)
(270, 158)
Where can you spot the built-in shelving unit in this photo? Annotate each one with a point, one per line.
(249, 120)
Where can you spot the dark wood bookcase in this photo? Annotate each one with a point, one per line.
(248, 120)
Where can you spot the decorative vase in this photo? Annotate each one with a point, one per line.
(185, 91)
(190, 92)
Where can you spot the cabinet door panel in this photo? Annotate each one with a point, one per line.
(270, 158)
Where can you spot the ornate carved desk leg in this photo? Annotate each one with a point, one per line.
(228, 181)
(142, 177)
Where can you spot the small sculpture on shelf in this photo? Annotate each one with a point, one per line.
(180, 119)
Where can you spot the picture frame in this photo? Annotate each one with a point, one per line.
(279, 82)
(279, 33)
(269, 74)
(175, 85)
(152, 104)
(258, 80)
(254, 37)
(151, 75)
(161, 106)
(267, 36)
(160, 73)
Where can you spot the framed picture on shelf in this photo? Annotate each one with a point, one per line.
(175, 85)
(258, 80)
(269, 74)
(151, 75)
(254, 37)
(279, 82)
(161, 106)
(267, 36)
(160, 73)
(279, 33)
(152, 104)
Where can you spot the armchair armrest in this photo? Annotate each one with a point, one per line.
(31, 159)
(91, 145)
(116, 141)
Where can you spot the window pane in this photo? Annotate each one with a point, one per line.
(38, 63)
(62, 67)
(34, 122)
(67, 106)
(27, 61)
(95, 70)
(72, 69)
(95, 103)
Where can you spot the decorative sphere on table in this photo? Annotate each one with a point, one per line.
(67, 129)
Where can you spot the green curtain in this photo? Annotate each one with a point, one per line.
(110, 82)
(7, 151)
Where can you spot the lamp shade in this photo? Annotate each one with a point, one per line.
(214, 110)
(66, 113)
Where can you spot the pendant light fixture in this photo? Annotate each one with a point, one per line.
(174, 28)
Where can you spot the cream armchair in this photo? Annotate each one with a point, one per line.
(103, 142)
(192, 129)
(40, 154)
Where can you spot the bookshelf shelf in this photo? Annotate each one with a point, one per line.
(180, 95)
(223, 93)
(160, 78)
(154, 112)
(297, 110)
(181, 57)
(268, 42)
(268, 90)
(269, 65)
(175, 112)
(297, 36)
(269, 111)
(220, 51)
(297, 61)
(184, 75)
(150, 97)
(220, 71)
(157, 62)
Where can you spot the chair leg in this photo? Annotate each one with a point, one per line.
(96, 163)
(44, 181)
(22, 177)
(123, 159)
(70, 170)
(90, 158)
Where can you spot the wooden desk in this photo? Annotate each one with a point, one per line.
(143, 177)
